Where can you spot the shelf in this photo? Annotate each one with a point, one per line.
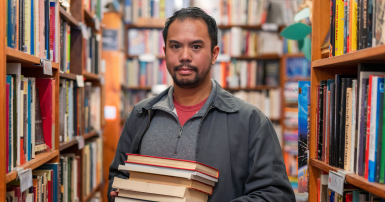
(136, 87)
(94, 190)
(65, 145)
(68, 17)
(376, 54)
(39, 160)
(27, 60)
(91, 76)
(90, 134)
(257, 57)
(275, 119)
(254, 88)
(293, 55)
(68, 76)
(354, 179)
(88, 16)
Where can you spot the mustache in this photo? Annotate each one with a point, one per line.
(186, 64)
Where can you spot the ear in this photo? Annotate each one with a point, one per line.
(215, 55)
(164, 49)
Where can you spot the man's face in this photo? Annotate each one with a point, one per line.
(188, 52)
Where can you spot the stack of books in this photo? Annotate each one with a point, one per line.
(164, 179)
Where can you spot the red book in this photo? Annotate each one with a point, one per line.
(16, 189)
(317, 121)
(50, 188)
(324, 125)
(44, 87)
(368, 128)
(349, 197)
(53, 113)
(247, 42)
(52, 30)
(7, 128)
(172, 163)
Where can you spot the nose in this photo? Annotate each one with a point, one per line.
(185, 56)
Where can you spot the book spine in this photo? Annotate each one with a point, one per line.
(346, 26)
(331, 139)
(342, 112)
(324, 124)
(347, 148)
(339, 30)
(380, 107)
(363, 30)
(32, 23)
(320, 122)
(47, 29)
(354, 126)
(382, 156)
(370, 22)
(354, 25)
(332, 28)
(368, 123)
(52, 30)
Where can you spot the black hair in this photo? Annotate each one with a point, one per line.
(194, 13)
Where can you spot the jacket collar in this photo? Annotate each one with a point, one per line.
(223, 100)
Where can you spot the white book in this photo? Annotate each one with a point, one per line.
(33, 87)
(187, 174)
(243, 74)
(353, 132)
(373, 119)
(124, 199)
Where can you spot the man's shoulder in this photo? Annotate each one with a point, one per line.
(142, 104)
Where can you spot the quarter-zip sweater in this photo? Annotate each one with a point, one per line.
(167, 137)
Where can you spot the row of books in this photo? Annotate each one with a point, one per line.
(135, 9)
(249, 12)
(71, 104)
(291, 163)
(139, 73)
(289, 93)
(30, 120)
(129, 98)
(268, 101)
(92, 165)
(291, 116)
(141, 41)
(350, 132)
(297, 68)
(164, 179)
(237, 42)
(65, 46)
(246, 73)
(290, 46)
(350, 193)
(69, 177)
(45, 186)
(355, 25)
(32, 27)
(93, 6)
(92, 52)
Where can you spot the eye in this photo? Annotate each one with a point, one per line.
(175, 46)
(196, 47)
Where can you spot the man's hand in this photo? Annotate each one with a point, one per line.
(114, 193)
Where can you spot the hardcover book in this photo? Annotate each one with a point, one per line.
(303, 128)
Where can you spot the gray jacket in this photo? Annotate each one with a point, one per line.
(235, 137)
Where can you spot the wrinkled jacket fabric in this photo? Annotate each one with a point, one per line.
(234, 137)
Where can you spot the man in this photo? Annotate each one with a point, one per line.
(195, 119)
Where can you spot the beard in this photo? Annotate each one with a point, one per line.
(189, 83)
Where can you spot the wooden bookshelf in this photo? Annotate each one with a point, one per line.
(376, 54)
(39, 160)
(92, 194)
(91, 76)
(31, 68)
(68, 17)
(68, 76)
(323, 69)
(25, 59)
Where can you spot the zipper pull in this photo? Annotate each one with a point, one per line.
(180, 132)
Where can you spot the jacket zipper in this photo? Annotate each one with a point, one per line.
(177, 140)
(144, 132)
(181, 131)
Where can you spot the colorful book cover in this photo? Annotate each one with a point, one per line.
(339, 29)
(303, 109)
(378, 87)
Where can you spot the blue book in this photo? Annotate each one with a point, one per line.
(373, 142)
(143, 67)
(152, 10)
(54, 167)
(32, 28)
(331, 196)
(303, 112)
(9, 81)
(128, 11)
(29, 142)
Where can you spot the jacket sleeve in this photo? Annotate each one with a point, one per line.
(122, 149)
(267, 179)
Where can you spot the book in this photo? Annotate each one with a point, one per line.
(353, 25)
(380, 107)
(348, 130)
(320, 118)
(173, 163)
(339, 28)
(363, 23)
(156, 192)
(378, 23)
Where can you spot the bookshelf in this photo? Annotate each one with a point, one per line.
(326, 69)
(31, 68)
